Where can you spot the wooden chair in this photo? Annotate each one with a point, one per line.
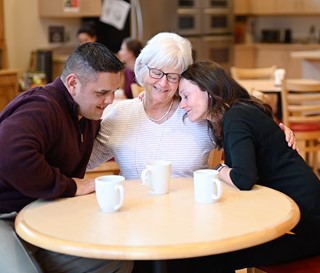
(308, 265)
(215, 157)
(9, 88)
(252, 73)
(301, 113)
(136, 89)
(255, 74)
(107, 168)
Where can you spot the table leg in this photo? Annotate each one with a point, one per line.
(159, 266)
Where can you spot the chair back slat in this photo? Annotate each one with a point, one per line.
(300, 102)
(252, 73)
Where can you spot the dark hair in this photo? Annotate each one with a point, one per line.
(89, 28)
(88, 59)
(223, 93)
(133, 45)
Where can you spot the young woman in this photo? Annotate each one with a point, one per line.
(255, 153)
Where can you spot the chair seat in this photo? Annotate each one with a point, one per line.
(309, 265)
(305, 127)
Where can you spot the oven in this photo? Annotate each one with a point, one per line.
(203, 17)
(218, 48)
(189, 21)
(205, 4)
(189, 3)
(217, 21)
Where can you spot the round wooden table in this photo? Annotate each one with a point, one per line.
(151, 227)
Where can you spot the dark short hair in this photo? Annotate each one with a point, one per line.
(89, 28)
(133, 45)
(88, 59)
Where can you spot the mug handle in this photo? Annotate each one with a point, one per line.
(146, 178)
(120, 189)
(217, 195)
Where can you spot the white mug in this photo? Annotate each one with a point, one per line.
(279, 76)
(207, 186)
(110, 192)
(156, 176)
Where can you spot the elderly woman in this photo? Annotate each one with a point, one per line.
(245, 128)
(136, 131)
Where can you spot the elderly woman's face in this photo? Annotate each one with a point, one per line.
(164, 86)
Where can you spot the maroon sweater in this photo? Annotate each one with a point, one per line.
(42, 146)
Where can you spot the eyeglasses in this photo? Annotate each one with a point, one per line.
(158, 74)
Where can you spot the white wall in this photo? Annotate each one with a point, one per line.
(26, 32)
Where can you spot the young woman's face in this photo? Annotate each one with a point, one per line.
(193, 100)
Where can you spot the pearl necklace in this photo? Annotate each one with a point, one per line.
(165, 114)
(137, 140)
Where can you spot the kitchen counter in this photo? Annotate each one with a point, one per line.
(310, 63)
(306, 55)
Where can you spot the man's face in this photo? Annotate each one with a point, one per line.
(95, 96)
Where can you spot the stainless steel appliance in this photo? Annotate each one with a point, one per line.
(196, 17)
(276, 36)
(209, 26)
(218, 48)
(207, 23)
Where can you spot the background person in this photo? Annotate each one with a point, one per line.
(46, 138)
(255, 153)
(129, 51)
(87, 33)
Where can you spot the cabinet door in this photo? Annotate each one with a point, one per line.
(281, 58)
(310, 6)
(263, 7)
(274, 56)
(56, 8)
(288, 7)
(241, 7)
(244, 56)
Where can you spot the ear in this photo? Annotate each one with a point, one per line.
(72, 81)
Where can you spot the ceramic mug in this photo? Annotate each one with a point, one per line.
(279, 76)
(110, 192)
(156, 176)
(207, 186)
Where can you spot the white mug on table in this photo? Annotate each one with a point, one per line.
(207, 186)
(279, 76)
(110, 192)
(156, 176)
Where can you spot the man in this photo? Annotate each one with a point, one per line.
(46, 138)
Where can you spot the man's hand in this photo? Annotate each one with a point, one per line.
(84, 186)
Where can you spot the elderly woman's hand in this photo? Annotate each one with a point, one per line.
(290, 137)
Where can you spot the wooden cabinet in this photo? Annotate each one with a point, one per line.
(56, 9)
(244, 56)
(284, 7)
(258, 7)
(3, 48)
(8, 86)
(262, 55)
(241, 7)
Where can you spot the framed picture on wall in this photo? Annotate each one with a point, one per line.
(71, 5)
